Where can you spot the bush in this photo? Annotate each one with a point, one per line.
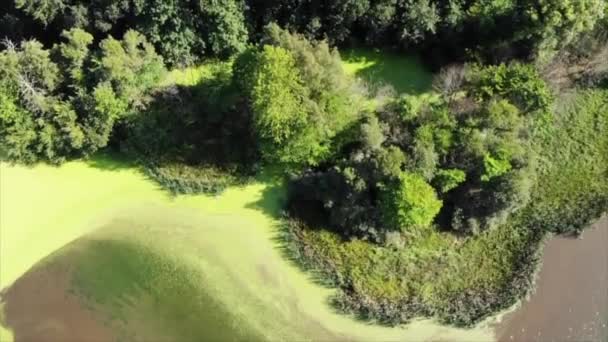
(185, 179)
(409, 203)
(519, 83)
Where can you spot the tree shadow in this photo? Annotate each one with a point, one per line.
(406, 74)
(273, 202)
(274, 195)
(108, 160)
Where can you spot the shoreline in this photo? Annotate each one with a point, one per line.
(571, 279)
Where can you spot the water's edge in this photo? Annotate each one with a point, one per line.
(569, 301)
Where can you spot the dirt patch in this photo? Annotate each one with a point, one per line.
(39, 307)
(571, 299)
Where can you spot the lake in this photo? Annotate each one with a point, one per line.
(571, 299)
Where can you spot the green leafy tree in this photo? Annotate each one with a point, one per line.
(448, 179)
(276, 96)
(43, 10)
(495, 166)
(552, 24)
(420, 17)
(130, 65)
(72, 55)
(372, 133)
(171, 25)
(409, 202)
(519, 83)
(300, 97)
(54, 106)
(224, 26)
(36, 124)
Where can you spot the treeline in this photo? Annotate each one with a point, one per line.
(185, 31)
(63, 102)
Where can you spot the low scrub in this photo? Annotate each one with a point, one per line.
(185, 179)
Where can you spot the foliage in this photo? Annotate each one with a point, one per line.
(552, 23)
(131, 66)
(519, 83)
(194, 136)
(43, 10)
(572, 189)
(72, 55)
(35, 124)
(456, 283)
(494, 167)
(276, 96)
(461, 281)
(172, 27)
(186, 30)
(224, 26)
(449, 179)
(63, 103)
(409, 203)
(185, 179)
(300, 97)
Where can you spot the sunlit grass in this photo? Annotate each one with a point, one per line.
(407, 74)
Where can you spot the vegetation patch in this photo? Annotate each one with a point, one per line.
(460, 281)
(184, 179)
(414, 202)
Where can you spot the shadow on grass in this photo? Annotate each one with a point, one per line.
(108, 160)
(273, 203)
(407, 74)
(274, 195)
(93, 289)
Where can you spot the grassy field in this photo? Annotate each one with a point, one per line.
(128, 249)
(406, 74)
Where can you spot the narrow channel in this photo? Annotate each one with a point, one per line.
(571, 299)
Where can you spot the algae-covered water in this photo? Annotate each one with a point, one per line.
(96, 250)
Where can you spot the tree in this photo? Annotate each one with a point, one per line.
(276, 93)
(224, 26)
(551, 24)
(420, 17)
(300, 97)
(519, 83)
(131, 66)
(171, 25)
(43, 10)
(36, 124)
(409, 202)
(71, 56)
(448, 179)
(62, 104)
(372, 134)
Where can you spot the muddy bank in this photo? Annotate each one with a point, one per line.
(39, 307)
(571, 298)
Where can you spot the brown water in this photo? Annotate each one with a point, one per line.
(571, 300)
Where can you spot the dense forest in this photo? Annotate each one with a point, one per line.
(413, 204)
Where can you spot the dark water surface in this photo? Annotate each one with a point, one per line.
(571, 300)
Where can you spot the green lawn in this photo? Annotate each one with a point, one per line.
(406, 74)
